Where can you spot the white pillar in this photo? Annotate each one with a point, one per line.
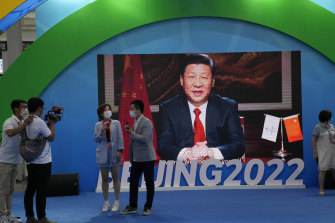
(14, 45)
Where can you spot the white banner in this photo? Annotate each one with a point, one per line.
(270, 129)
(169, 175)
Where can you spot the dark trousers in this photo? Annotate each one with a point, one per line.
(137, 169)
(38, 180)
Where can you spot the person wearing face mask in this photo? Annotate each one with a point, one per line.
(108, 135)
(142, 157)
(10, 157)
(323, 143)
(39, 170)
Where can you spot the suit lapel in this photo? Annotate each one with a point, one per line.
(113, 125)
(139, 123)
(186, 122)
(211, 116)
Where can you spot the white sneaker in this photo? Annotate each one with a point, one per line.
(106, 206)
(3, 219)
(115, 207)
(13, 219)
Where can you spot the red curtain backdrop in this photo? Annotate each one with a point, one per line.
(133, 88)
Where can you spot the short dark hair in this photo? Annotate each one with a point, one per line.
(16, 104)
(325, 116)
(101, 109)
(199, 59)
(138, 105)
(34, 104)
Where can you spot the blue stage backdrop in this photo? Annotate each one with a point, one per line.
(76, 88)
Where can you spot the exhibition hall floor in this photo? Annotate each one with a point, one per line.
(229, 205)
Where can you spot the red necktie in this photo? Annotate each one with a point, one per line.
(199, 132)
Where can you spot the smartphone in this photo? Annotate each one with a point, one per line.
(127, 125)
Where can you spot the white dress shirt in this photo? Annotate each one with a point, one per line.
(202, 117)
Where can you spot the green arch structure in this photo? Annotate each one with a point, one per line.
(56, 49)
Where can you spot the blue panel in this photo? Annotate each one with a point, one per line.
(327, 4)
(76, 88)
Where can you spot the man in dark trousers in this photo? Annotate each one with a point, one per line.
(142, 157)
(39, 170)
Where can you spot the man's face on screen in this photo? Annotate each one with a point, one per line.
(197, 83)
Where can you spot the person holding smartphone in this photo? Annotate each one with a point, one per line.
(142, 157)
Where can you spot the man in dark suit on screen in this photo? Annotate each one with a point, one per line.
(199, 124)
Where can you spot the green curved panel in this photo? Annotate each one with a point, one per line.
(69, 39)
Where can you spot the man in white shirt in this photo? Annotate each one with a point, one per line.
(10, 157)
(39, 170)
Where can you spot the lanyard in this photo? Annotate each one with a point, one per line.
(108, 133)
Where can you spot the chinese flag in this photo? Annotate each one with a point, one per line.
(133, 88)
(293, 130)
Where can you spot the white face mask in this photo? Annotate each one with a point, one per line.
(107, 114)
(132, 114)
(24, 113)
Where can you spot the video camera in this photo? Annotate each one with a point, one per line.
(58, 111)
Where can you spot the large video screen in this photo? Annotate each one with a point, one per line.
(235, 93)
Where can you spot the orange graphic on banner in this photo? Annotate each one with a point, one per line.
(293, 129)
(133, 88)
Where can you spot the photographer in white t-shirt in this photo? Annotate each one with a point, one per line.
(39, 170)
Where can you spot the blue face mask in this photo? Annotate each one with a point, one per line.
(132, 114)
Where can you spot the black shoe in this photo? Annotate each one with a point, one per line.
(31, 220)
(45, 220)
(129, 210)
(146, 211)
